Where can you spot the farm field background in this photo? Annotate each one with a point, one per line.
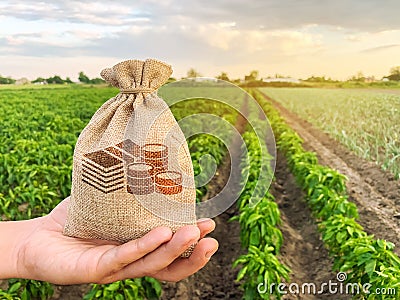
(365, 121)
(39, 127)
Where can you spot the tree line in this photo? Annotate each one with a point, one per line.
(251, 79)
(56, 79)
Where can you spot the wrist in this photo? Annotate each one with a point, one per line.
(14, 237)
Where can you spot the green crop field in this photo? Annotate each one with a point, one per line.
(39, 128)
(40, 125)
(366, 122)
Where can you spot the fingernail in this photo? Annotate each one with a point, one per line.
(210, 253)
(204, 220)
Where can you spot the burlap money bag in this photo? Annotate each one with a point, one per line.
(132, 169)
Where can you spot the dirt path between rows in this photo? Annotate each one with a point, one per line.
(375, 192)
(302, 248)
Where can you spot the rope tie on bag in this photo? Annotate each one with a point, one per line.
(137, 90)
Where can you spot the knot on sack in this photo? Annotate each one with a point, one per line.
(136, 76)
(137, 90)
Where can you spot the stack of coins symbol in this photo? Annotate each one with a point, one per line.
(140, 178)
(156, 155)
(168, 182)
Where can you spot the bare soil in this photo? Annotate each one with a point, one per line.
(302, 251)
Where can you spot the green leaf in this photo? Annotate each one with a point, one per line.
(253, 218)
(14, 287)
(119, 297)
(340, 236)
(25, 295)
(113, 286)
(350, 230)
(241, 273)
(370, 266)
(255, 237)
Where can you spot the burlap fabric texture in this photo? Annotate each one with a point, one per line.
(132, 168)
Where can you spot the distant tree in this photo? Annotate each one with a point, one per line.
(83, 78)
(315, 79)
(223, 76)
(55, 79)
(320, 79)
(38, 80)
(6, 80)
(252, 76)
(68, 80)
(236, 81)
(192, 73)
(394, 74)
(359, 77)
(96, 80)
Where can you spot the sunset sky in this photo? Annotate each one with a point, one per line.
(290, 37)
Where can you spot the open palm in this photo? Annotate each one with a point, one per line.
(46, 254)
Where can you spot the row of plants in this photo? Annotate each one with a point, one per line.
(354, 118)
(259, 218)
(367, 261)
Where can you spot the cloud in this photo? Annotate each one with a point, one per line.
(361, 15)
(218, 35)
(47, 43)
(100, 13)
(380, 48)
(213, 42)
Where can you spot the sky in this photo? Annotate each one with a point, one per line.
(298, 38)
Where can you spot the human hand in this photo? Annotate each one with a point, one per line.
(44, 253)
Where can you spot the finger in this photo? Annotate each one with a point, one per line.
(118, 257)
(184, 267)
(206, 226)
(167, 253)
(164, 255)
